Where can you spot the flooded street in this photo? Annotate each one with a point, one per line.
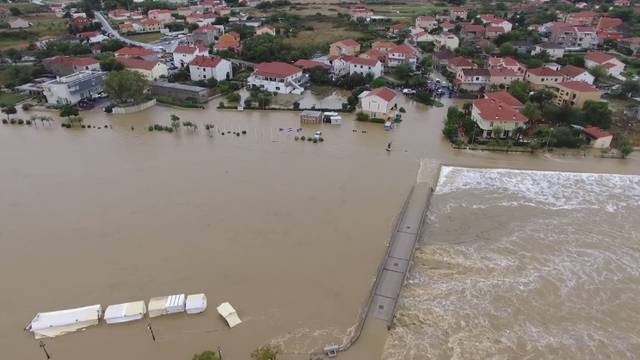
(289, 232)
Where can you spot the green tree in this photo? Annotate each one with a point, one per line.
(506, 49)
(599, 72)
(206, 355)
(532, 111)
(266, 352)
(68, 111)
(402, 72)
(111, 65)
(520, 90)
(630, 88)
(596, 113)
(625, 147)
(175, 121)
(125, 86)
(9, 110)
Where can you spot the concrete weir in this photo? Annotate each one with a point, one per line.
(396, 263)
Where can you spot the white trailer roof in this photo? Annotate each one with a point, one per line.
(229, 313)
(125, 312)
(166, 305)
(55, 323)
(196, 303)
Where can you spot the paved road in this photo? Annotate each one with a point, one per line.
(111, 32)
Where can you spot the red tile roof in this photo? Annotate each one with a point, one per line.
(579, 86)
(404, 49)
(425, 18)
(503, 72)
(374, 54)
(347, 42)
(606, 23)
(74, 60)
(504, 97)
(276, 69)
(134, 51)
(150, 22)
(377, 45)
(187, 49)
(472, 28)
(596, 132)
(309, 64)
(571, 71)
(495, 29)
(137, 63)
(229, 40)
(206, 61)
(492, 110)
(382, 92)
(544, 71)
(363, 61)
(460, 61)
(599, 57)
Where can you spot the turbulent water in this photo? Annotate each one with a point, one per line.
(525, 265)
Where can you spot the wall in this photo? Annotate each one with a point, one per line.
(135, 108)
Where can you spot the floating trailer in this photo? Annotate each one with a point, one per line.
(56, 323)
(165, 305)
(120, 313)
(196, 303)
(229, 314)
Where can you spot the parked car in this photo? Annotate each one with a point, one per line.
(408, 91)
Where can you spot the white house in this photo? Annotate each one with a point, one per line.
(358, 65)
(205, 67)
(339, 65)
(402, 54)
(379, 103)
(426, 22)
(184, 54)
(614, 66)
(575, 73)
(278, 77)
(491, 114)
(72, 88)
(555, 51)
(446, 40)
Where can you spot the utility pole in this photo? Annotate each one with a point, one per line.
(153, 336)
(220, 352)
(44, 348)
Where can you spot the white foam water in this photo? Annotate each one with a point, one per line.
(524, 265)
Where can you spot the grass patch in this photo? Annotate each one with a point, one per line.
(10, 99)
(145, 37)
(44, 24)
(323, 33)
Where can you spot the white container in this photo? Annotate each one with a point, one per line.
(196, 303)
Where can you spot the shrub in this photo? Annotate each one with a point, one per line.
(402, 110)
(5, 121)
(360, 116)
(27, 106)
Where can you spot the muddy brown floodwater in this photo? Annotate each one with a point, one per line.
(289, 232)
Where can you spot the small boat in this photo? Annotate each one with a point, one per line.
(120, 313)
(165, 305)
(56, 323)
(229, 314)
(389, 147)
(196, 303)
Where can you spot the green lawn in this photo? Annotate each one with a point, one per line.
(146, 37)
(10, 99)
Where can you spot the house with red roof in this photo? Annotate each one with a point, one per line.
(92, 37)
(206, 34)
(574, 93)
(492, 32)
(130, 27)
(472, 32)
(360, 65)
(458, 63)
(472, 79)
(402, 54)
(614, 66)
(347, 47)
(266, 29)
(426, 22)
(573, 37)
(161, 15)
(184, 54)
(379, 103)
(582, 18)
(506, 98)
(229, 41)
(306, 64)
(360, 13)
(374, 54)
(201, 19)
(396, 29)
(383, 46)
(136, 52)
(506, 62)
(151, 25)
(151, 70)
(119, 14)
(597, 138)
(203, 67)
(503, 77)
(541, 77)
(491, 114)
(458, 13)
(278, 77)
(65, 65)
(576, 73)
